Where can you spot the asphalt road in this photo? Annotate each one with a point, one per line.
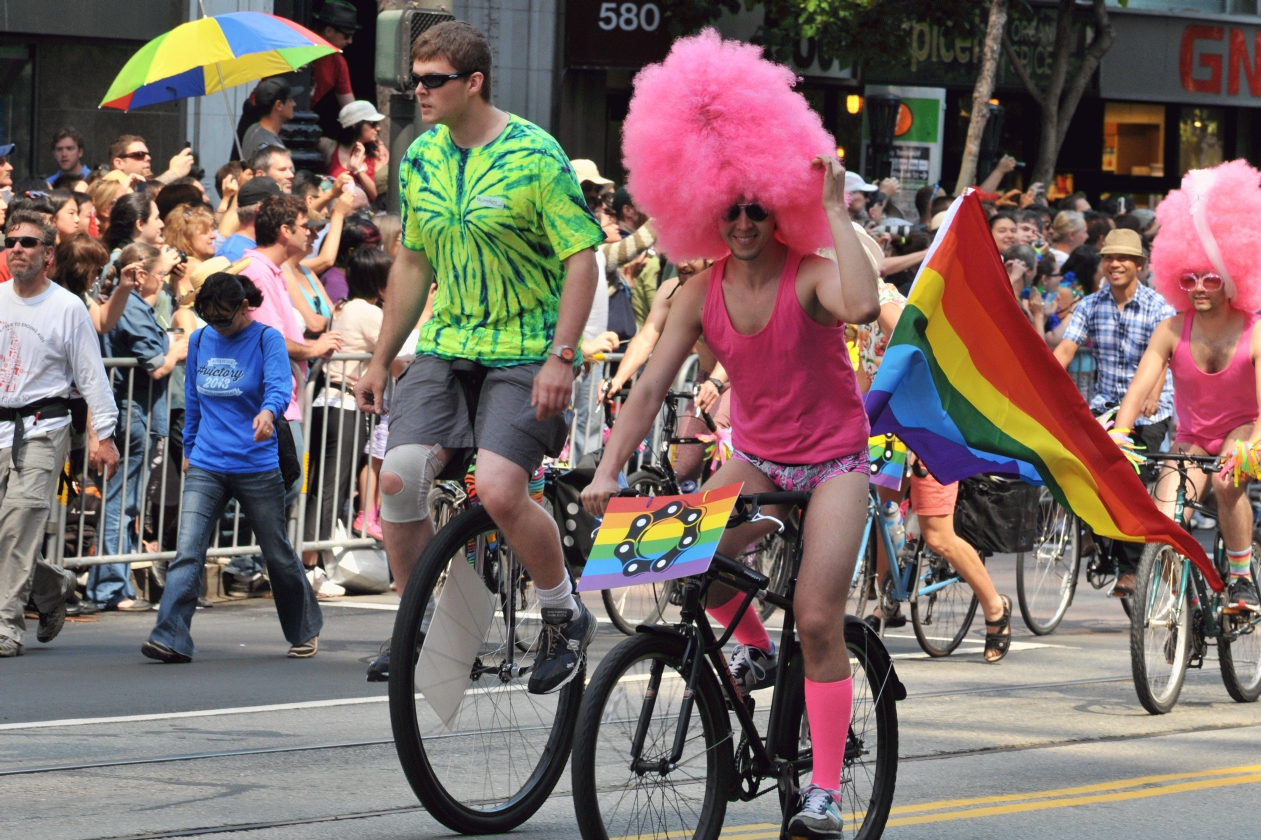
(1050, 743)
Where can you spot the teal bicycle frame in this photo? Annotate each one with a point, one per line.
(900, 577)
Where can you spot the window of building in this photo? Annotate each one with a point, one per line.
(1134, 139)
(16, 116)
(1199, 138)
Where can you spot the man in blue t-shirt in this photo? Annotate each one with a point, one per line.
(248, 200)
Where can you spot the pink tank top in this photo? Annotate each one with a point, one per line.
(1211, 405)
(794, 396)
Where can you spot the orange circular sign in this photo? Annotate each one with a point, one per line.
(905, 118)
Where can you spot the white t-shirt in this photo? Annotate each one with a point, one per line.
(598, 319)
(47, 347)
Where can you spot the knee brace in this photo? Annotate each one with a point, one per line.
(417, 466)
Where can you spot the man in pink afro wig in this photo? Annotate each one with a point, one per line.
(1204, 262)
(732, 165)
(713, 122)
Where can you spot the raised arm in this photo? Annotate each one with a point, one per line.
(846, 289)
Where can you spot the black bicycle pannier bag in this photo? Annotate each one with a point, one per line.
(997, 515)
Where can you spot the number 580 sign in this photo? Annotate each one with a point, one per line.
(614, 34)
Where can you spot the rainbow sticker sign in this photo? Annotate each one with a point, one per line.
(649, 539)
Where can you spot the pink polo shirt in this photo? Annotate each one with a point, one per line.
(276, 311)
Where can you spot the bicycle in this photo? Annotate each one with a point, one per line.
(1175, 613)
(501, 756)
(650, 603)
(640, 768)
(941, 602)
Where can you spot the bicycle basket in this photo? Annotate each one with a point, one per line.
(998, 515)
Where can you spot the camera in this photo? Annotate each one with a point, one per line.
(896, 227)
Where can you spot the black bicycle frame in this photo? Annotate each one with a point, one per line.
(701, 640)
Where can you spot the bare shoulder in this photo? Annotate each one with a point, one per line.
(1168, 332)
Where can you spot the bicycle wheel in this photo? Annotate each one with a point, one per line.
(1239, 649)
(1160, 629)
(869, 773)
(640, 680)
(862, 588)
(942, 604)
(772, 556)
(1046, 577)
(504, 750)
(643, 603)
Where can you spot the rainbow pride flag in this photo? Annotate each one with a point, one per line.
(971, 388)
(650, 539)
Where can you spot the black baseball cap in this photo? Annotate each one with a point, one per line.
(621, 198)
(256, 190)
(272, 90)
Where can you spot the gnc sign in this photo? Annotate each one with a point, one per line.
(1202, 48)
(1166, 58)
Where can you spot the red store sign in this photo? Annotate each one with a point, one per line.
(1163, 58)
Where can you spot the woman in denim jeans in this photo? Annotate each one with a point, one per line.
(238, 383)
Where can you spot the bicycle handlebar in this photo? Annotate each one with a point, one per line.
(1205, 461)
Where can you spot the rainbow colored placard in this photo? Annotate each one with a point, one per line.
(649, 539)
(888, 461)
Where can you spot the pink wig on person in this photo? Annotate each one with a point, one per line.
(1226, 241)
(713, 124)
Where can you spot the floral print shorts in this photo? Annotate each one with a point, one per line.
(806, 477)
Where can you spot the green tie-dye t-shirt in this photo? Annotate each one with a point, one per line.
(496, 223)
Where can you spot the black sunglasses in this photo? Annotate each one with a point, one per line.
(137, 155)
(27, 242)
(432, 81)
(755, 212)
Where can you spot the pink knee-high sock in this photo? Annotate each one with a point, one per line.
(750, 631)
(828, 708)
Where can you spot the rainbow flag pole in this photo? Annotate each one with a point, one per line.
(971, 388)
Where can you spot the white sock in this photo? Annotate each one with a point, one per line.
(560, 596)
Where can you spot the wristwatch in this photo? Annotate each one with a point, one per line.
(717, 383)
(565, 353)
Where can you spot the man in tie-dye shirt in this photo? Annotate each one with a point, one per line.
(493, 215)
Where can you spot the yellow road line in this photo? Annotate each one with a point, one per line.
(1120, 790)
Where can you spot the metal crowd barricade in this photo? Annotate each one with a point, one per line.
(72, 515)
(321, 396)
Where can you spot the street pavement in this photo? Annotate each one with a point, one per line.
(97, 742)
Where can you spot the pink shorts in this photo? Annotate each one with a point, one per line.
(929, 497)
(806, 477)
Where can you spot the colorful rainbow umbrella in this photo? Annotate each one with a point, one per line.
(212, 54)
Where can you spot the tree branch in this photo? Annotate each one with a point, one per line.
(1014, 61)
(1105, 35)
(1063, 54)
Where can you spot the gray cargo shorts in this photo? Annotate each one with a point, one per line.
(428, 408)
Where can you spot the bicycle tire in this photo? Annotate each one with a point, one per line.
(1159, 629)
(644, 603)
(940, 618)
(507, 785)
(867, 785)
(1046, 576)
(863, 585)
(1240, 657)
(606, 724)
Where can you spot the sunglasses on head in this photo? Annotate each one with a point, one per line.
(432, 81)
(1208, 281)
(27, 242)
(138, 155)
(755, 212)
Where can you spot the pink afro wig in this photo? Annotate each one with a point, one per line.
(1232, 207)
(716, 122)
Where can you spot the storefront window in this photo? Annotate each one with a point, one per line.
(1199, 138)
(16, 118)
(1134, 139)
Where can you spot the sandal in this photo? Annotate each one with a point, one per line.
(999, 642)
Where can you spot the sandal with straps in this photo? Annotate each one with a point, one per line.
(999, 642)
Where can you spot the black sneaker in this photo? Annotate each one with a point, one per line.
(562, 648)
(753, 668)
(50, 624)
(379, 668)
(1242, 595)
(163, 653)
